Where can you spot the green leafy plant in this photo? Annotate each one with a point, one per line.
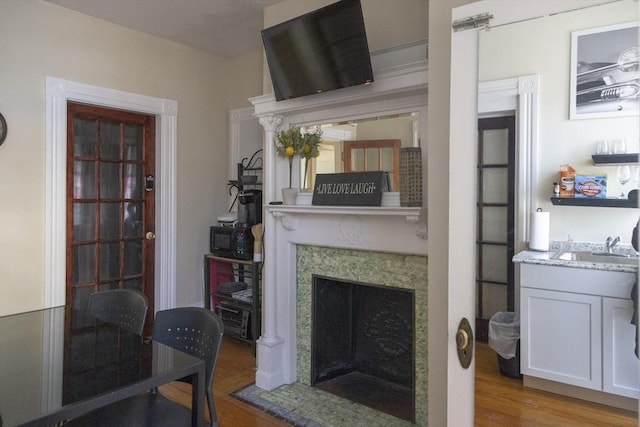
(288, 144)
(310, 148)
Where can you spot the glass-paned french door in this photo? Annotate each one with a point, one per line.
(110, 202)
(495, 220)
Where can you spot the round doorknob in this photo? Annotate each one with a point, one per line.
(150, 235)
(462, 339)
(464, 343)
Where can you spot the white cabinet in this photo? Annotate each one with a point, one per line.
(575, 328)
(562, 332)
(620, 364)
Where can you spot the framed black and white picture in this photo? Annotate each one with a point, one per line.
(605, 72)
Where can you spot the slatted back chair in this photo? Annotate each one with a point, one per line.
(125, 308)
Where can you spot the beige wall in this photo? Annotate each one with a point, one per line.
(38, 39)
(244, 78)
(396, 128)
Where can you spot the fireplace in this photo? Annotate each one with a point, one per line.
(362, 344)
(382, 246)
(370, 272)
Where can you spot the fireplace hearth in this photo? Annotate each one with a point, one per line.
(363, 344)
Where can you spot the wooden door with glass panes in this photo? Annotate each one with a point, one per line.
(110, 203)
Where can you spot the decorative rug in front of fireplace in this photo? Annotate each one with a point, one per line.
(305, 406)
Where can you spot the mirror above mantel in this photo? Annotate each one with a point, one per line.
(399, 90)
(371, 144)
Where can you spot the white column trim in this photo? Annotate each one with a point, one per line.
(270, 346)
(57, 93)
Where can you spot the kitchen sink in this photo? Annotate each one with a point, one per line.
(600, 257)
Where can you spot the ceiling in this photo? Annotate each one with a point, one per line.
(225, 28)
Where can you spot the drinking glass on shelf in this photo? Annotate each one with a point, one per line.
(623, 175)
(602, 147)
(619, 146)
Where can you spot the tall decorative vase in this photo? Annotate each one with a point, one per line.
(410, 176)
(289, 196)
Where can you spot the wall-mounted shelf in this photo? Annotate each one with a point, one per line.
(607, 203)
(615, 159)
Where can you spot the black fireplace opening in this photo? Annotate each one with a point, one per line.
(363, 344)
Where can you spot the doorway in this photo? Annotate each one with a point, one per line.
(495, 220)
(110, 203)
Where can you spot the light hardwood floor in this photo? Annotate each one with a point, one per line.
(500, 401)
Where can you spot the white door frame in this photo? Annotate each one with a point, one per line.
(462, 143)
(58, 92)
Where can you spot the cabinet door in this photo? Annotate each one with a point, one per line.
(619, 362)
(561, 334)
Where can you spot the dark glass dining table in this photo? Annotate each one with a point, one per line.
(57, 364)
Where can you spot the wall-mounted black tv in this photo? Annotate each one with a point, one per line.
(323, 50)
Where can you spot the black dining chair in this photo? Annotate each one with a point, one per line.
(195, 331)
(125, 308)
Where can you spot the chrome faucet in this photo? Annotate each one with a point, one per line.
(610, 243)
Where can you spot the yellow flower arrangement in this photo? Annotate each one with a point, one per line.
(289, 143)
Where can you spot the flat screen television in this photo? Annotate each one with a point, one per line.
(323, 50)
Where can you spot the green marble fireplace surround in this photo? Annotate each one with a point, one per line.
(377, 268)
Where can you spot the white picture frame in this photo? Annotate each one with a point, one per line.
(605, 72)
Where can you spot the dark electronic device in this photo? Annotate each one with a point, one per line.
(323, 50)
(236, 321)
(232, 242)
(250, 207)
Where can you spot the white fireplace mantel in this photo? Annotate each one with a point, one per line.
(400, 86)
(394, 230)
(356, 227)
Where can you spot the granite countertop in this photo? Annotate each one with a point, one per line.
(549, 258)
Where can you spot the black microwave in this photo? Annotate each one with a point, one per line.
(232, 242)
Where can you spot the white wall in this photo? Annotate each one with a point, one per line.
(542, 46)
(38, 39)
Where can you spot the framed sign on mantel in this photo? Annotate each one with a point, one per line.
(605, 72)
(350, 188)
